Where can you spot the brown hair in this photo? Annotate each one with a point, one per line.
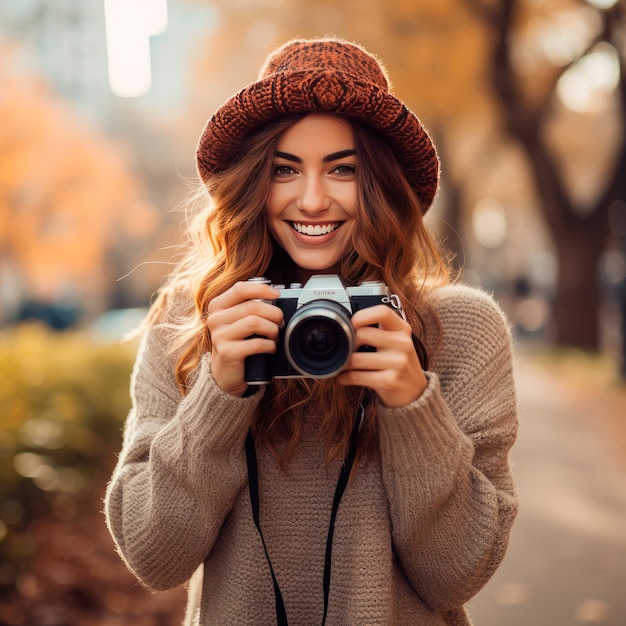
(227, 240)
(230, 242)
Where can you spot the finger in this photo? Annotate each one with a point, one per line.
(248, 308)
(383, 339)
(373, 379)
(384, 359)
(228, 362)
(393, 387)
(242, 329)
(380, 315)
(240, 292)
(235, 352)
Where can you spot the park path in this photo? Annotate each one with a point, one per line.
(566, 563)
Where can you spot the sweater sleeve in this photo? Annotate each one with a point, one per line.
(445, 456)
(181, 467)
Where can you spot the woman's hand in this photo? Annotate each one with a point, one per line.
(393, 371)
(232, 318)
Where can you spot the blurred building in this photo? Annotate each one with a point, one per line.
(64, 41)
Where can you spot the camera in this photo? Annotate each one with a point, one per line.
(317, 338)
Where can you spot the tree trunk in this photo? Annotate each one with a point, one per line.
(577, 300)
(579, 241)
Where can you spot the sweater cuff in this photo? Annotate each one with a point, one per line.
(213, 416)
(423, 432)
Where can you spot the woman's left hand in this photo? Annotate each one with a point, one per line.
(393, 371)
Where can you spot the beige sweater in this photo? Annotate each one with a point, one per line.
(418, 532)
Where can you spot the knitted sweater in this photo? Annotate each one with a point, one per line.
(419, 531)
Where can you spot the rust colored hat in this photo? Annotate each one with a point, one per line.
(322, 75)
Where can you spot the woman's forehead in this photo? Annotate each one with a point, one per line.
(321, 133)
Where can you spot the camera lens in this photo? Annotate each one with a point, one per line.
(319, 339)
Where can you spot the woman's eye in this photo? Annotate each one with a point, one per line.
(345, 170)
(283, 170)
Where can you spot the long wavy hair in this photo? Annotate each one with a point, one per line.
(229, 241)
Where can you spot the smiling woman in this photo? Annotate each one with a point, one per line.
(312, 201)
(129, 26)
(308, 352)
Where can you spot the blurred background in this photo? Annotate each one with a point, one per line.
(101, 105)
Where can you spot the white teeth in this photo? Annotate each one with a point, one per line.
(315, 230)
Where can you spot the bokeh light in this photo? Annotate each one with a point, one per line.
(585, 86)
(603, 4)
(489, 223)
(129, 26)
(613, 266)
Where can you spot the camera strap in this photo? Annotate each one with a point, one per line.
(253, 482)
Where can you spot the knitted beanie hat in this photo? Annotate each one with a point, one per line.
(322, 75)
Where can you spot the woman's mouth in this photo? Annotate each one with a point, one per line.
(315, 230)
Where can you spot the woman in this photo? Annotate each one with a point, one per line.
(378, 494)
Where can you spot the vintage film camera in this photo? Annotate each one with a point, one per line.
(317, 339)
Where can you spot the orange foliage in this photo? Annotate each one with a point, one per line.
(435, 50)
(65, 193)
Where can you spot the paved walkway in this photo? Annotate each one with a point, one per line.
(566, 563)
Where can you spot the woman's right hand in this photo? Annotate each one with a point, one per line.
(232, 318)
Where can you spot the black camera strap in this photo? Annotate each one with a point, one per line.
(344, 475)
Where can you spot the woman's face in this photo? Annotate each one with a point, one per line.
(311, 207)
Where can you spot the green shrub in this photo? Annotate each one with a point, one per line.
(63, 401)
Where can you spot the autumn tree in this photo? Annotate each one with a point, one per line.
(526, 77)
(66, 198)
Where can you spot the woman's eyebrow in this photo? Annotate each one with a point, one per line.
(342, 154)
(335, 156)
(288, 157)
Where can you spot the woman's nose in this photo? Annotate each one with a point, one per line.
(313, 197)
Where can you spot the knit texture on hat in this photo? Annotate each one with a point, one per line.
(322, 75)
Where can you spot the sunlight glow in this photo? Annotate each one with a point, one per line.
(567, 35)
(558, 39)
(584, 87)
(602, 4)
(129, 26)
(489, 223)
(613, 266)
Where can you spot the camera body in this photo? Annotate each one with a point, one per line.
(317, 338)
